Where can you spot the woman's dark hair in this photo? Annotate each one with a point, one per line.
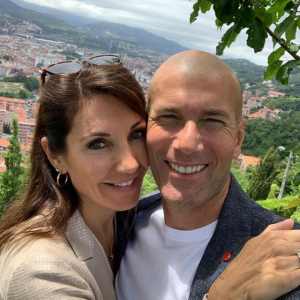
(45, 208)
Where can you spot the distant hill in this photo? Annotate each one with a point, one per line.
(12, 9)
(246, 70)
(135, 35)
(68, 18)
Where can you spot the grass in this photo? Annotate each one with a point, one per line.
(11, 87)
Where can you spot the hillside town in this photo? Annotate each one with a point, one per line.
(23, 53)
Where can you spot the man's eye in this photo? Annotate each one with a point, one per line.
(214, 121)
(168, 117)
(96, 144)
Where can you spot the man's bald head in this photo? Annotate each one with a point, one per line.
(195, 66)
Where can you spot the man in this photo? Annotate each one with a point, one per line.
(185, 237)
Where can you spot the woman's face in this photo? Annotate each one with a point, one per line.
(106, 155)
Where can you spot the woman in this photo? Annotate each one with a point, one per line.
(88, 160)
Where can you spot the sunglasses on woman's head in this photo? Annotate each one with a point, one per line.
(74, 67)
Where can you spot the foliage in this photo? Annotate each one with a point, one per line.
(149, 184)
(262, 134)
(8, 57)
(11, 179)
(279, 207)
(290, 187)
(264, 175)
(257, 18)
(283, 103)
(241, 177)
(32, 84)
(17, 78)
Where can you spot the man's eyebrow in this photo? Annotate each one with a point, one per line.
(165, 109)
(217, 113)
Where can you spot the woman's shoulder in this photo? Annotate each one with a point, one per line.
(34, 253)
(40, 262)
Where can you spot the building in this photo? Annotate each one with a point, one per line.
(26, 128)
(10, 102)
(274, 94)
(244, 161)
(2, 117)
(3, 147)
(245, 110)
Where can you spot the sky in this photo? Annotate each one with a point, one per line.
(166, 18)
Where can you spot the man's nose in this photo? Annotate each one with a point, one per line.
(188, 139)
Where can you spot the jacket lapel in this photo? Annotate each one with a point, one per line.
(232, 231)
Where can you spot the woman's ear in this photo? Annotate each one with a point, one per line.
(56, 160)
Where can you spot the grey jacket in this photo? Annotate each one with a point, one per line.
(72, 266)
(240, 220)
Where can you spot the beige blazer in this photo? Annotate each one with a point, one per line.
(73, 266)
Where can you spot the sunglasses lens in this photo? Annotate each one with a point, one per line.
(105, 60)
(65, 67)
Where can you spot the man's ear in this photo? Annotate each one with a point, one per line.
(57, 161)
(239, 139)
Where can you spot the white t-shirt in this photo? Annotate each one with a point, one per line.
(160, 262)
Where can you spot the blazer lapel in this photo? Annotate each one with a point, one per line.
(232, 231)
(80, 237)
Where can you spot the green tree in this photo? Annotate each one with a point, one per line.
(22, 94)
(264, 175)
(11, 179)
(149, 184)
(31, 84)
(258, 17)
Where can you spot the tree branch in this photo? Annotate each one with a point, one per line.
(277, 39)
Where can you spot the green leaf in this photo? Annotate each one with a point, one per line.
(293, 203)
(248, 16)
(229, 35)
(275, 55)
(219, 2)
(195, 12)
(293, 63)
(256, 36)
(205, 6)
(290, 34)
(219, 24)
(292, 47)
(297, 180)
(267, 19)
(226, 13)
(272, 69)
(298, 22)
(289, 6)
(284, 26)
(277, 9)
(228, 38)
(283, 74)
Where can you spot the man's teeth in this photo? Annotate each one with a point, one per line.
(187, 170)
(124, 183)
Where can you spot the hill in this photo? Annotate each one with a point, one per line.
(247, 71)
(46, 22)
(134, 35)
(68, 18)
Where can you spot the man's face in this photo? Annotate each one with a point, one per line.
(193, 135)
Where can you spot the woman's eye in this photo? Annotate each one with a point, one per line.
(138, 134)
(97, 144)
